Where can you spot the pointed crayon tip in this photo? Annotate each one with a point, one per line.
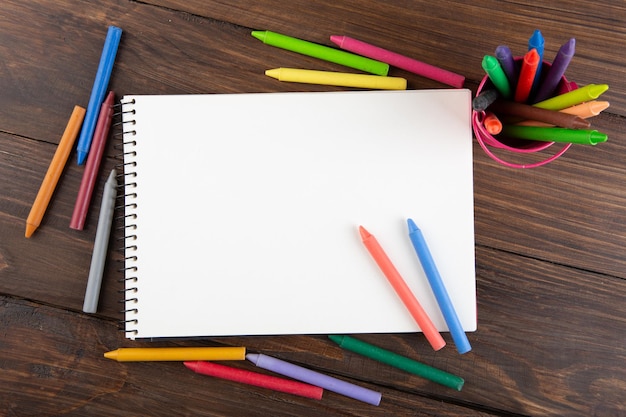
(111, 355)
(536, 40)
(81, 157)
(503, 51)
(412, 226)
(336, 39)
(259, 34)
(193, 365)
(531, 57)
(598, 106)
(596, 90)
(30, 229)
(274, 73)
(253, 357)
(569, 47)
(336, 338)
(364, 233)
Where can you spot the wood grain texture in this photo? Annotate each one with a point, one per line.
(549, 254)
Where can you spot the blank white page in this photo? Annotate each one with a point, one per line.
(247, 210)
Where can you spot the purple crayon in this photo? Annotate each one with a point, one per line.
(556, 71)
(315, 378)
(507, 62)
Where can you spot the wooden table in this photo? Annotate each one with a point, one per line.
(550, 260)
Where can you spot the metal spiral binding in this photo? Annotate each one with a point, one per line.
(125, 167)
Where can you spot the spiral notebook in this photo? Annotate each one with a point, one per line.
(242, 210)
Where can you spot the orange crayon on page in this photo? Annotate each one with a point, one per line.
(402, 289)
(54, 171)
(492, 124)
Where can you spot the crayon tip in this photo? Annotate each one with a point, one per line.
(274, 73)
(81, 157)
(597, 107)
(193, 365)
(412, 226)
(531, 57)
(259, 34)
(580, 123)
(597, 137)
(536, 40)
(30, 229)
(253, 357)
(336, 338)
(111, 355)
(569, 47)
(489, 62)
(338, 40)
(364, 233)
(595, 90)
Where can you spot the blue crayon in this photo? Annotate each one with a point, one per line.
(436, 283)
(537, 42)
(98, 91)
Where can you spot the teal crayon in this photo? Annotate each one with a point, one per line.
(496, 74)
(323, 52)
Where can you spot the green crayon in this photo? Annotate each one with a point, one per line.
(574, 97)
(554, 134)
(398, 361)
(496, 74)
(322, 52)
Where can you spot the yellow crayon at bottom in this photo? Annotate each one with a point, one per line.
(341, 79)
(177, 354)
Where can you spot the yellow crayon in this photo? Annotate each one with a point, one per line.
(178, 354)
(337, 78)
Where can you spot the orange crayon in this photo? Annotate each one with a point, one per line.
(55, 169)
(492, 124)
(530, 64)
(402, 289)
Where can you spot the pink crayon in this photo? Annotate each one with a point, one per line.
(400, 61)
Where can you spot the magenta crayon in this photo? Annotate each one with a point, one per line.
(526, 78)
(254, 378)
(399, 61)
(315, 378)
(549, 84)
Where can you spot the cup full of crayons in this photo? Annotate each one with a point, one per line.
(525, 104)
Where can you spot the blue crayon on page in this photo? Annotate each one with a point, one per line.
(98, 91)
(439, 289)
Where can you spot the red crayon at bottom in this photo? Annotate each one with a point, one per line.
(256, 379)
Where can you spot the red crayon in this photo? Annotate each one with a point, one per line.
(93, 164)
(256, 379)
(527, 76)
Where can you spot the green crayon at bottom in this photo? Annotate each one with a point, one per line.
(554, 134)
(398, 361)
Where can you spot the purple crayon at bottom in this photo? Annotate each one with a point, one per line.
(315, 378)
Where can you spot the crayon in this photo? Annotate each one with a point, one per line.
(55, 169)
(399, 61)
(179, 354)
(526, 78)
(497, 76)
(398, 361)
(507, 62)
(484, 99)
(554, 134)
(321, 52)
(256, 379)
(492, 123)
(556, 118)
(577, 96)
(557, 69)
(342, 79)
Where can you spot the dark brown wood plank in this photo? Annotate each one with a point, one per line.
(61, 371)
(452, 34)
(545, 347)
